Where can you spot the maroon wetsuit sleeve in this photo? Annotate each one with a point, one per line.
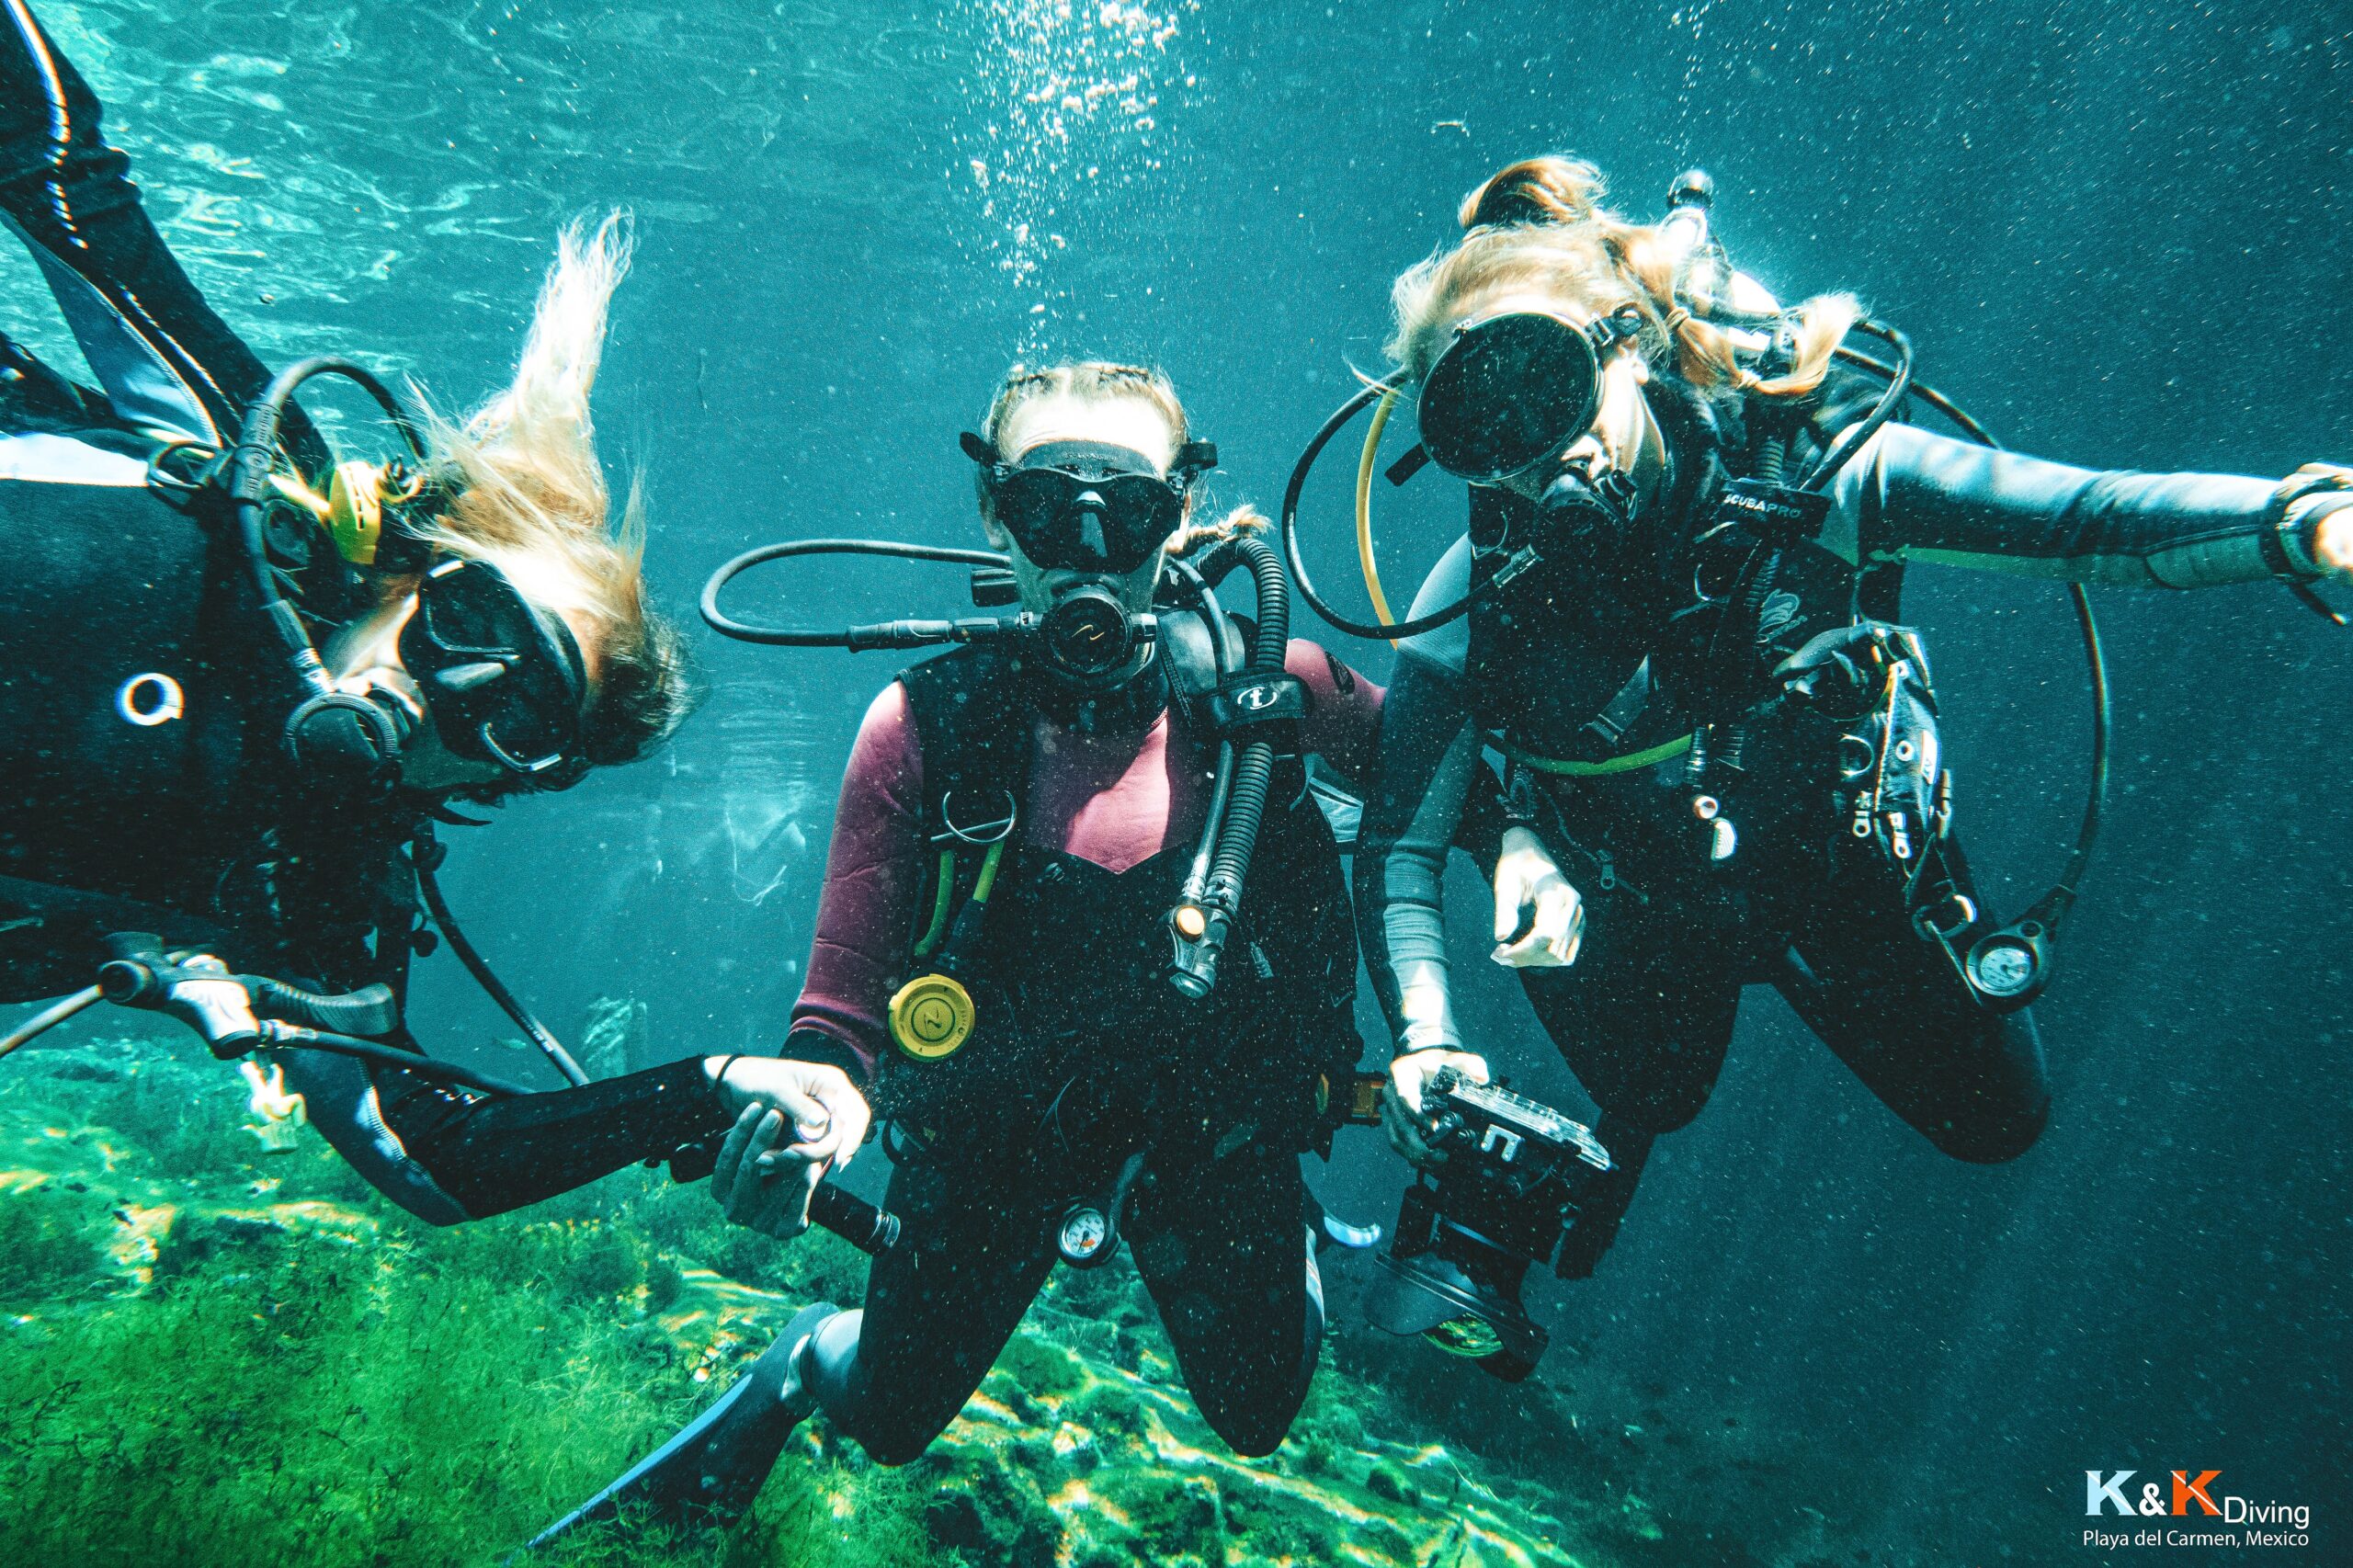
(1343, 711)
(874, 873)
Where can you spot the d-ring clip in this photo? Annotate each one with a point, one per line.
(993, 831)
(169, 703)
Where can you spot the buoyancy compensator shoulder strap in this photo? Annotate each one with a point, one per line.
(972, 729)
(973, 724)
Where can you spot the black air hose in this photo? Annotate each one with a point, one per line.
(284, 1036)
(370, 1010)
(1254, 775)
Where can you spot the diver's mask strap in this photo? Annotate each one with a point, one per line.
(1193, 458)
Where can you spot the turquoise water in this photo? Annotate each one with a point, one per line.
(2117, 231)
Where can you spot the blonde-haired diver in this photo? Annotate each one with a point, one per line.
(228, 720)
(1671, 616)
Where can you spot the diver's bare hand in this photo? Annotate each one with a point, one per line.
(753, 1189)
(1539, 920)
(2333, 540)
(763, 1179)
(828, 1114)
(1401, 1097)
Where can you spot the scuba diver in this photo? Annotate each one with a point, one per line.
(1038, 858)
(190, 788)
(1674, 615)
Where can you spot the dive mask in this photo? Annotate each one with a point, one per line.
(1515, 388)
(503, 679)
(1088, 505)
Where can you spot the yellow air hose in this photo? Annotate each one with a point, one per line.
(1364, 510)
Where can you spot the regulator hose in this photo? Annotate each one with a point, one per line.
(1252, 774)
(370, 1010)
(1381, 630)
(295, 1036)
(2053, 906)
(726, 625)
(426, 854)
(247, 475)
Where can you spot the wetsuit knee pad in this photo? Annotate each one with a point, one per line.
(844, 1390)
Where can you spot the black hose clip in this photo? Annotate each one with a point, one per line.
(1269, 707)
(425, 851)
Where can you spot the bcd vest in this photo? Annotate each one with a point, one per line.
(1614, 647)
(1076, 1020)
(142, 778)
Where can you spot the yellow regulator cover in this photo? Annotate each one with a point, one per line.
(931, 1018)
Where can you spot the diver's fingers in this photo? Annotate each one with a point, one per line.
(744, 1202)
(802, 1192)
(1514, 909)
(1560, 922)
(782, 1206)
(731, 1153)
(1403, 1129)
(788, 1202)
(1527, 952)
(816, 1136)
(850, 1117)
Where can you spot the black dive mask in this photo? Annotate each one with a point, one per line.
(1088, 505)
(503, 679)
(1513, 390)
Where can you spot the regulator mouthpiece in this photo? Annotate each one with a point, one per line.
(1088, 634)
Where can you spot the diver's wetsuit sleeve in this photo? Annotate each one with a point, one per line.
(495, 1155)
(1343, 711)
(1913, 495)
(1430, 753)
(873, 874)
(71, 194)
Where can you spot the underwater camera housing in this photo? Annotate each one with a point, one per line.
(1506, 1194)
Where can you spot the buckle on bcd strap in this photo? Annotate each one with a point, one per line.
(1766, 514)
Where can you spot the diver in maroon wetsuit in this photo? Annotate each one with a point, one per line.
(1079, 1097)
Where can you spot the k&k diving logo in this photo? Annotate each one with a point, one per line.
(2194, 1497)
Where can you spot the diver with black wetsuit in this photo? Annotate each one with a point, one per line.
(1720, 750)
(151, 779)
(1007, 960)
